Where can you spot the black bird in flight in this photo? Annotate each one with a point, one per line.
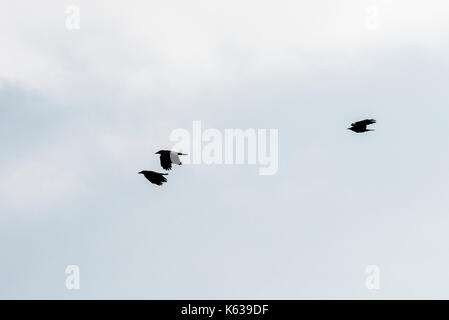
(154, 177)
(360, 126)
(168, 157)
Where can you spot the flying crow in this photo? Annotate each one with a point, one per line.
(360, 126)
(168, 157)
(154, 177)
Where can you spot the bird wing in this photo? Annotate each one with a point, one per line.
(175, 158)
(165, 161)
(365, 122)
(160, 179)
(155, 177)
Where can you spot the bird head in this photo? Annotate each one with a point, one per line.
(159, 152)
(141, 172)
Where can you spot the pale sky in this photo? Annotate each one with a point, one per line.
(83, 111)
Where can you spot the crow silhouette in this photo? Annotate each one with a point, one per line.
(360, 126)
(168, 157)
(154, 177)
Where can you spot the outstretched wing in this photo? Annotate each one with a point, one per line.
(159, 179)
(155, 177)
(364, 122)
(166, 161)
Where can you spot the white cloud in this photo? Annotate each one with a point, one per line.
(151, 49)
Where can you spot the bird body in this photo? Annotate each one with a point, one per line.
(168, 157)
(360, 126)
(154, 177)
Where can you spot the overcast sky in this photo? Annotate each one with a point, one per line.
(82, 111)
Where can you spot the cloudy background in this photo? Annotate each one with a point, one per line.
(82, 111)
